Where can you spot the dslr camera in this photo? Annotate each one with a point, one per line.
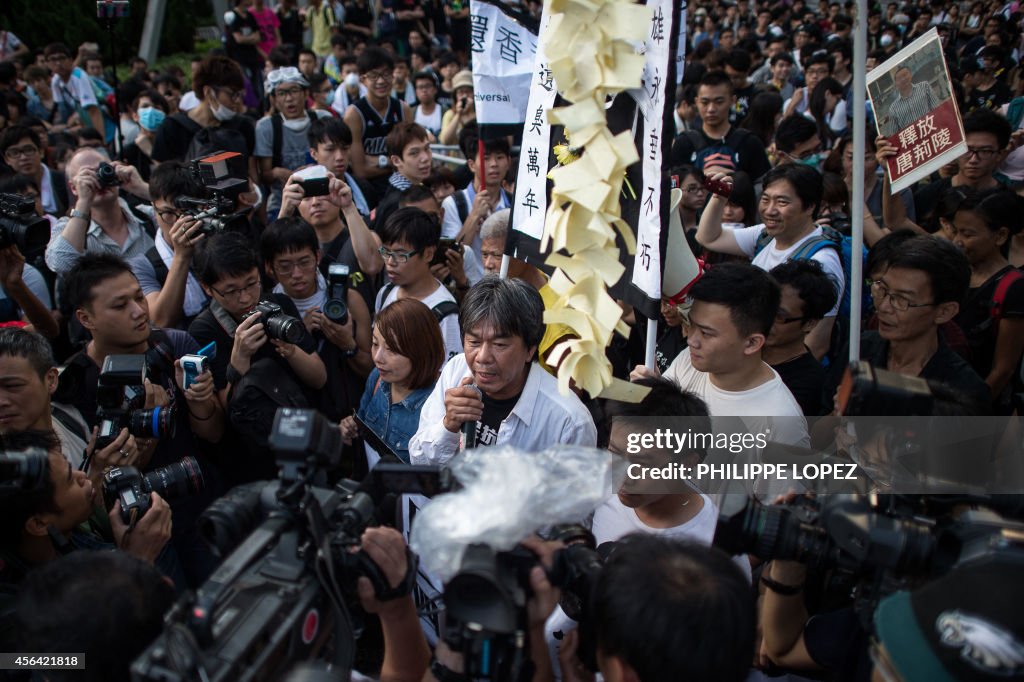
(120, 397)
(132, 487)
(278, 324)
(223, 175)
(19, 225)
(336, 305)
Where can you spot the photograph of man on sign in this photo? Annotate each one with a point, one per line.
(912, 99)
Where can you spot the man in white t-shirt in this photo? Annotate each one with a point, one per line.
(410, 238)
(789, 206)
(733, 311)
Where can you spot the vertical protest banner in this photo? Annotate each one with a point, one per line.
(912, 99)
(531, 200)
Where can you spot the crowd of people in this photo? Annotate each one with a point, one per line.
(336, 264)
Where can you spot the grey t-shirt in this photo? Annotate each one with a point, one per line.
(294, 150)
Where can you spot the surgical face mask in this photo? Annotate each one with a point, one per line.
(150, 118)
(352, 80)
(886, 40)
(814, 161)
(222, 113)
(297, 124)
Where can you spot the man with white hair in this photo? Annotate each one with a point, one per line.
(100, 222)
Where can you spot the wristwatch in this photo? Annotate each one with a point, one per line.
(75, 213)
(382, 161)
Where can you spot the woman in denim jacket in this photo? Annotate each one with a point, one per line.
(407, 355)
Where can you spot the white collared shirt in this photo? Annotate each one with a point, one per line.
(61, 256)
(542, 417)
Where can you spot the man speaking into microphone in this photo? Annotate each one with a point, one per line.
(495, 393)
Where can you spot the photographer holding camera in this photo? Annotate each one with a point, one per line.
(64, 515)
(108, 302)
(165, 270)
(100, 222)
(335, 314)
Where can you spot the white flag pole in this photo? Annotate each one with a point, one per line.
(860, 58)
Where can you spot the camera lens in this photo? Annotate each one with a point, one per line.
(283, 328)
(336, 311)
(29, 234)
(230, 519)
(175, 480)
(107, 176)
(155, 423)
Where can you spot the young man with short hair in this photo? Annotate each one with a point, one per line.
(349, 88)
(733, 311)
(371, 117)
(290, 253)
(737, 68)
(807, 294)
(922, 289)
(402, 88)
(164, 271)
(408, 147)
(797, 141)
(330, 145)
(230, 275)
(818, 67)
(24, 153)
(466, 209)
(780, 72)
(410, 237)
(717, 144)
(789, 207)
(427, 112)
(282, 142)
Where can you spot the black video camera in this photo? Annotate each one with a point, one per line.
(277, 324)
(22, 472)
(284, 592)
(121, 397)
(223, 175)
(336, 305)
(132, 488)
(871, 545)
(486, 601)
(19, 225)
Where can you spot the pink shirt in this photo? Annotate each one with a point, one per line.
(268, 21)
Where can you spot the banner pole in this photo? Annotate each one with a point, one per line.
(652, 344)
(860, 57)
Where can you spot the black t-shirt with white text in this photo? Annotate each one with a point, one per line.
(495, 412)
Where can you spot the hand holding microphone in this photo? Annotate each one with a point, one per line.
(463, 407)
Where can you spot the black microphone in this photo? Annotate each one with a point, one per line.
(469, 428)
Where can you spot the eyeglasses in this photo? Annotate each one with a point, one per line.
(399, 257)
(379, 76)
(982, 153)
(694, 189)
(236, 294)
(169, 215)
(880, 292)
(28, 151)
(233, 95)
(288, 92)
(304, 265)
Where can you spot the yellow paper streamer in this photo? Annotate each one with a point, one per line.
(590, 46)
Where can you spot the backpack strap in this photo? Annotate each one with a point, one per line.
(333, 251)
(461, 206)
(159, 267)
(828, 238)
(185, 122)
(444, 309)
(696, 139)
(277, 124)
(77, 428)
(147, 223)
(763, 240)
(386, 291)
(999, 298)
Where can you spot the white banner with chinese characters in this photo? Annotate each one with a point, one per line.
(532, 178)
(912, 99)
(503, 52)
(651, 108)
(681, 46)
